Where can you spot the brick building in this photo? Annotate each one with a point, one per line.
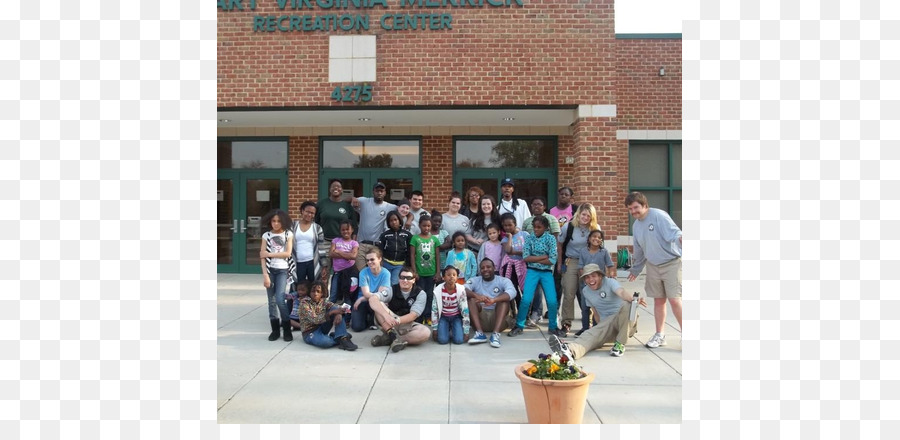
(440, 95)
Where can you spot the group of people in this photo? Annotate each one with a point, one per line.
(482, 265)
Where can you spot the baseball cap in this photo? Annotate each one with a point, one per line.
(508, 181)
(379, 185)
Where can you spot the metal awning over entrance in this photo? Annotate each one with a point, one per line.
(387, 116)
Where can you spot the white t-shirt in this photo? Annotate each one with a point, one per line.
(304, 244)
(277, 243)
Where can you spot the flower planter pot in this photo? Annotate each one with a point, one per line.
(553, 401)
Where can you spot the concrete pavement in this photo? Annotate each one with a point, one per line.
(295, 383)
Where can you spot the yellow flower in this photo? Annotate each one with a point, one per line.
(531, 370)
(554, 368)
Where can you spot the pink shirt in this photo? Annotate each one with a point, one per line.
(563, 215)
(343, 246)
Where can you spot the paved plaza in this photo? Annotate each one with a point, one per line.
(295, 383)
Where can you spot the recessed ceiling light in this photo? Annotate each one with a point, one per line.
(509, 118)
(364, 119)
(224, 120)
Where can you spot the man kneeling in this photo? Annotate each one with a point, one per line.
(396, 312)
(608, 299)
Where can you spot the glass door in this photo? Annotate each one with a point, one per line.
(358, 183)
(244, 197)
(529, 183)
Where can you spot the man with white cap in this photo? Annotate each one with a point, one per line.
(606, 297)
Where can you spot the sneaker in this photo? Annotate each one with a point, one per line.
(579, 332)
(373, 327)
(617, 350)
(516, 331)
(495, 340)
(478, 338)
(529, 323)
(345, 344)
(559, 347)
(381, 340)
(536, 318)
(657, 340)
(398, 345)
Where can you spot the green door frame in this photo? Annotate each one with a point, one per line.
(239, 178)
(550, 174)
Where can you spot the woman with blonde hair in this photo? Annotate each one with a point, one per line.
(573, 238)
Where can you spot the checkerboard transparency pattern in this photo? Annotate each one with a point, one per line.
(107, 129)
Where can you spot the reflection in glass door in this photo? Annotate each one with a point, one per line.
(243, 198)
(226, 222)
(262, 196)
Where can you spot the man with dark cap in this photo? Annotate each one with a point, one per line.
(372, 214)
(509, 202)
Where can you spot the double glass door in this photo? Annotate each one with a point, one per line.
(243, 198)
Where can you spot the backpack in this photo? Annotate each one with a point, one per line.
(622, 259)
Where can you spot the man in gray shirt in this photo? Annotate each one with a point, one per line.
(397, 312)
(657, 243)
(609, 298)
(489, 296)
(416, 203)
(372, 214)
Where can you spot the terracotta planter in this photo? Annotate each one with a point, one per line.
(553, 401)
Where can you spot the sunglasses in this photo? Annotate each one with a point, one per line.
(406, 278)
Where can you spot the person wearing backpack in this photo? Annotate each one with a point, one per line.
(573, 238)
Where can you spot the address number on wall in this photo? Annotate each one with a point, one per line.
(358, 93)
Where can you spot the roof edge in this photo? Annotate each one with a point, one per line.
(647, 36)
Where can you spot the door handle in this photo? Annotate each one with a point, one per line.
(234, 226)
(243, 228)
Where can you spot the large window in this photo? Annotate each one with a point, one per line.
(654, 168)
(252, 154)
(370, 153)
(359, 162)
(484, 161)
(505, 153)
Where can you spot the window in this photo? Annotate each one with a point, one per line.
(351, 58)
(258, 154)
(654, 168)
(370, 153)
(505, 153)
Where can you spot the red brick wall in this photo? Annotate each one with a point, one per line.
(303, 172)
(437, 171)
(545, 52)
(599, 170)
(645, 100)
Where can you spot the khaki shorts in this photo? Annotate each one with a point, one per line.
(487, 321)
(664, 281)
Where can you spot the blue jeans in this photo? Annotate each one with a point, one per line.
(449, 324)
(359, 318)
(319, 337)
(333, 290)
(275, 292)
(532, 278)
(394, 270)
